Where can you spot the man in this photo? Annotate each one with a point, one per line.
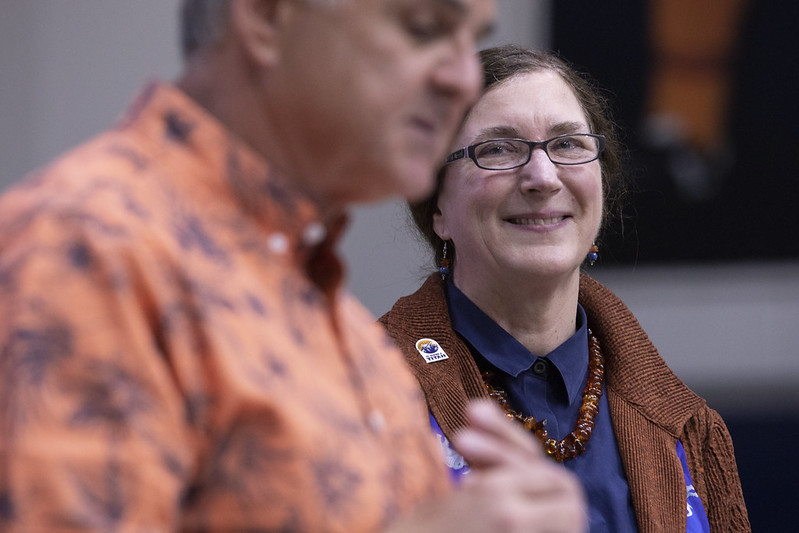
(177, 352)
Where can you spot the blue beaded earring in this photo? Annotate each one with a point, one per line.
(443, 268)
(593, 254)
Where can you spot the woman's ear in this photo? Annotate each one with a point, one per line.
(440, 224)
(257, 24)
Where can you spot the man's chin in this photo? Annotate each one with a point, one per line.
(413, 180)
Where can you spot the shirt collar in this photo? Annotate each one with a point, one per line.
(222, 165)
(503, 351)
(571, 358)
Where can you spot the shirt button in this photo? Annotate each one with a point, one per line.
(540, 367)
(377, 421)
(313, 234)
(278, 243)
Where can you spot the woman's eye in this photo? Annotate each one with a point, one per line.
(565, 144)
(498, 149)
(494, 149)
(570, 143)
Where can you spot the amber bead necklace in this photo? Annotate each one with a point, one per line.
(574, 443)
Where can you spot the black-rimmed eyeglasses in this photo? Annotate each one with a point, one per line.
(506, 154)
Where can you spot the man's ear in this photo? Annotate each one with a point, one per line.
(257, 25)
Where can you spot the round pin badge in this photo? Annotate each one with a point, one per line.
(431, 350)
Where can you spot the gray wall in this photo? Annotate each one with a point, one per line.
(68, 68)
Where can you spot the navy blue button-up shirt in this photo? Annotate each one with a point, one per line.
(550, 387)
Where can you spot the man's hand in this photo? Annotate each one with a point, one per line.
(512, 487)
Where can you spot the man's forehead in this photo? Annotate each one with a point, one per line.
(484, 11)
(461, 6)
(465, 6)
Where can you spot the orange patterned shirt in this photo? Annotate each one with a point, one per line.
(177, 352)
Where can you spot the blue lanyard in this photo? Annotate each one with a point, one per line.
(455, 462)
(696, 521)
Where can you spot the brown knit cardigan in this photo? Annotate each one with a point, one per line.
(650, 407)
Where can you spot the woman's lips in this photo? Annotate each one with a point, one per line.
(536, 221)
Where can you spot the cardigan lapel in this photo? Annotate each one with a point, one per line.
(450, 383)
(649, 408)
(653, 470)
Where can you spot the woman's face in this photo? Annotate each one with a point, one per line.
(539, 219)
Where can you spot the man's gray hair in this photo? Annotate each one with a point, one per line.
(203, 23)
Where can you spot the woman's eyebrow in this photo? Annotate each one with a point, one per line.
(505, 132)
(497, 132)
(562, 128)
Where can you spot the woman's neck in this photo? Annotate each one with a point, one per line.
(541, 315)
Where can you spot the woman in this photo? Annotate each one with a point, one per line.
(516, 212)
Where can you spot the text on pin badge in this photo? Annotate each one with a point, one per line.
(431, 350)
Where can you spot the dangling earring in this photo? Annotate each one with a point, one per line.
(443, 268)
(593, 254)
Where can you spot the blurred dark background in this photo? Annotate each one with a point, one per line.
(707, 94)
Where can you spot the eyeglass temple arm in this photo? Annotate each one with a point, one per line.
(458, 154)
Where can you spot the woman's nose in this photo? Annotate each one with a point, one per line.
(540, 173)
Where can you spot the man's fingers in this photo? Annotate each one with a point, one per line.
(538, 492)
(491, 437)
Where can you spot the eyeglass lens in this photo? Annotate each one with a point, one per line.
(502, 154)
